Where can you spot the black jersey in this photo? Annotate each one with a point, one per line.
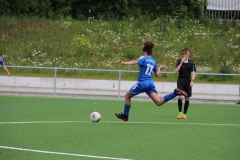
(186, 69)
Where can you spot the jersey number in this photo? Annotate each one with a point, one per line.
(149, 69)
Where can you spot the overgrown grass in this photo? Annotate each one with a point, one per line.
(101, 44)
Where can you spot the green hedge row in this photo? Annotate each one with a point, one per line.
(102, 9)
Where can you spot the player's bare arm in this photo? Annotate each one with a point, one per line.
(5, 68)
(159, 70)
(129, 62)
(179, 66)
(192, 79)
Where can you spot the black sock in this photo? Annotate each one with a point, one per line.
(180, 105)
(186, 107)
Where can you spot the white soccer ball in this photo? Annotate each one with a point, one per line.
(95, 117)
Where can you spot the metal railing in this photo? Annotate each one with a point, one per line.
(105, 70)
(221, 9)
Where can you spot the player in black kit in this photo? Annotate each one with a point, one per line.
(185, 68)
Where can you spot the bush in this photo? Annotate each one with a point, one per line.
(118, 9)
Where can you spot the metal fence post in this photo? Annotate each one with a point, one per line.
(55, 80)
(119, 83)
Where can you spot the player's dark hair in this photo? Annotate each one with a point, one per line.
(148, 46)
(185, 50)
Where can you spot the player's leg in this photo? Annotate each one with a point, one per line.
(161, 100)
(135, 90)
(186, 105)
(180, 85)
(127, 106)
(152, 93)
(156, 99)
(180, 107)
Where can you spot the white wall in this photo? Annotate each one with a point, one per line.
(109, 88)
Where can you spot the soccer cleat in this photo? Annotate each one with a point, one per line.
(180, 92)
(121, 116)
(180, 115)
(184, 116)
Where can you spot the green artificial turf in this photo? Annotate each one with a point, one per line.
(40, 128)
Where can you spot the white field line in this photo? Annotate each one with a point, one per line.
(61, 153)
(111, 122)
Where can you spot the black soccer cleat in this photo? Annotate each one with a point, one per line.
(180, 92)
(121, 116)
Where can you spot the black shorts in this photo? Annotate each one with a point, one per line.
(184, 84)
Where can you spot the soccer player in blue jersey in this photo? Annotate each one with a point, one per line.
(145, 83)
(2, 65)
